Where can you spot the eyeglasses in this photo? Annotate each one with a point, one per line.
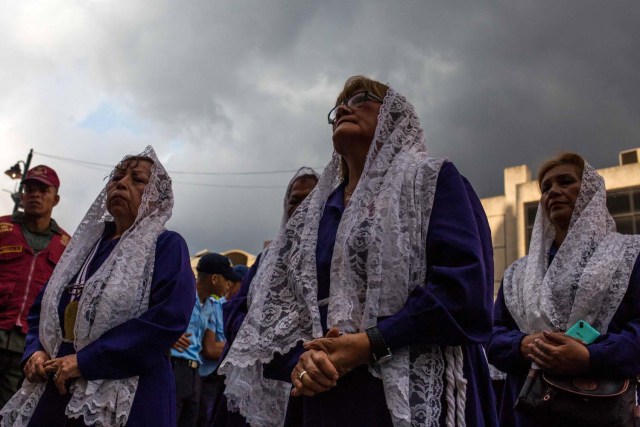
(354, 101)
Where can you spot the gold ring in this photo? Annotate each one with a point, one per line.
(302, 374)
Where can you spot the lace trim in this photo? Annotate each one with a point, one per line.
(303, 171)
(387, 217)
(587, 278)
(118, 291)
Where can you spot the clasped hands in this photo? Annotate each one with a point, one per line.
(556, 353)
(40, 365)
(327, 359)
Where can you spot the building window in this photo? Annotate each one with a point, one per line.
(624, 207)
(530, 211)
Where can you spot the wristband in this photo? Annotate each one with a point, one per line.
(380, 353)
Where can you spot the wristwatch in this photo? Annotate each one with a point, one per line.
(380, 353)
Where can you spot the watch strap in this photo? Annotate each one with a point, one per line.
(380, 352)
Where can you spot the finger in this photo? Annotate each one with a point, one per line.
(28, 373)
(333, 333)
(319, 345)
(295, 392)
(315, 370)
(297, 387)
(188, 334)
(545, 347)
(556, 337)
(539, 353)
(311, 386)
(40, 371)
(50, 368)
(327, 368)
(50, 362)
(59, 381)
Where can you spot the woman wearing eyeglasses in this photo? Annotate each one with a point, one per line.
(371, 305)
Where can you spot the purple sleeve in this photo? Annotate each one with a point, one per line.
(234, 310)
(137, 345)
(454, 306)
(33, 319)
(617, 353)
(503, 348)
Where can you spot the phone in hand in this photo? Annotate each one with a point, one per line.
(583, 331)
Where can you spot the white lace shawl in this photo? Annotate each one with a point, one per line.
(303, 171)
(379, 258)
(588, 276)
(117, 292)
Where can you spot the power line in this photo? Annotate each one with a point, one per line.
(103, 165)
(202, 184)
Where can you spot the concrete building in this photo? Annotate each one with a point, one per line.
(512, 214)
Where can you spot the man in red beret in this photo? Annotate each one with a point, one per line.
(31, 243)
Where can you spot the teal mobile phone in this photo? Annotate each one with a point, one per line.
(583, 331)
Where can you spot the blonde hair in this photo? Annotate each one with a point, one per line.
(567, 158)
(353, 85)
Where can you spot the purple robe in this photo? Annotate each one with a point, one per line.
(454, 308)
(138, 346)
(616, 353)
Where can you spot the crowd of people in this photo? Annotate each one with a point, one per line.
(372, 306)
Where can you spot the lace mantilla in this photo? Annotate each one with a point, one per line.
(303, 171)
(588, 276)
(371, 276)
(118, 291)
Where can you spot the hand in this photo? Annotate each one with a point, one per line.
(525, 350)
(345, 352)
(558, 353)
(319, 373)
(65, 368)
(34, 368)
(183, 343)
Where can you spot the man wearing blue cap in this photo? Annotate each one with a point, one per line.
(196, 352)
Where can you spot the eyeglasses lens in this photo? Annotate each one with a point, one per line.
(354, 102)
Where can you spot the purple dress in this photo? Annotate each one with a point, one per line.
(616, 353)
(137, 347)
(454, 308)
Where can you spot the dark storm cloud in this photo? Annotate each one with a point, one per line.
(246, 86)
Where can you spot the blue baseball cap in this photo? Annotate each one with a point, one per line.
(217, 264)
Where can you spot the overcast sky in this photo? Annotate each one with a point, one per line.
(245, 86)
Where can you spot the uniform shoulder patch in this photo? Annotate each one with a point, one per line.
(12, 249)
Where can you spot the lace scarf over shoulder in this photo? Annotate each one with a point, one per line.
(588, 276)
(379, 258)
(117, 292)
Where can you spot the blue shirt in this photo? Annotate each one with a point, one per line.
(197, 325)
(214, 323)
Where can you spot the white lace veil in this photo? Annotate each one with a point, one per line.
(117, 292)
(303, 171)
(588, 276)
(379, 257)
